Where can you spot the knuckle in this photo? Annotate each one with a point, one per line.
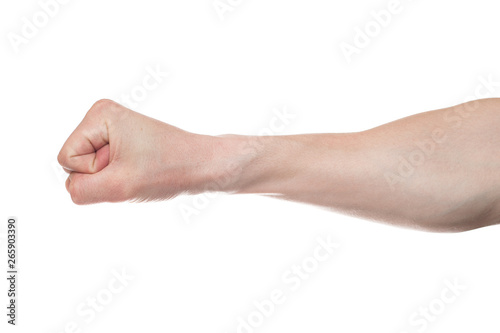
(76, 201)
(76, 198)
(103, 105)
(61, 158)
(75, 191)
(108, 108)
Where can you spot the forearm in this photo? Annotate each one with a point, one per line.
(436, 170)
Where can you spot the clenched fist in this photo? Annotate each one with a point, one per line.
(116, 154)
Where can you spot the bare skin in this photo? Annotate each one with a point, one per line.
(435, 171)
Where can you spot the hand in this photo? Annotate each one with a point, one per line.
(116, 154)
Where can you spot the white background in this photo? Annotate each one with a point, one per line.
(227, 76)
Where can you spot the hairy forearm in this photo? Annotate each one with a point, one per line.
(436, 170)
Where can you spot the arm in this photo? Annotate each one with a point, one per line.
(437, 170)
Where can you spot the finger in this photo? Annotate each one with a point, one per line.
(89, 163)
(103, 186)
(67, 183)
(87, 150)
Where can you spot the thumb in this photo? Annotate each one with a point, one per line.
(87, 149)
(102, 186)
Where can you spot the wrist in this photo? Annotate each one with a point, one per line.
(230, 158)
(250, 164)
